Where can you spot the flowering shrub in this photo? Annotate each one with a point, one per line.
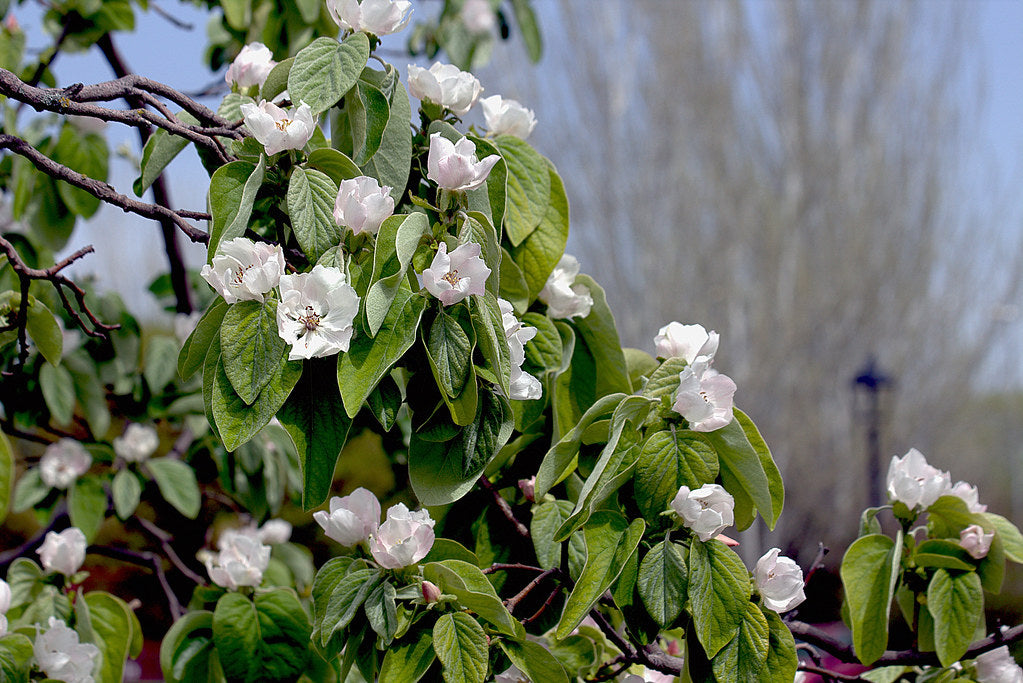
(406, 278)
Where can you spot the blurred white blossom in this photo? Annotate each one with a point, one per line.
(478, 16)
(63, 552)
(998, 666)
(507, 117)
(251, 67)
(241, 561)
(63, 462)
(62, 656)
(138, 442)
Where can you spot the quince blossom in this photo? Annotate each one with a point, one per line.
(707, 511)
(524, 387)
(649, 676)
(403, 539)
(137, 443)
(243, 270)
(274, 532)
(997, 666)
(914, 483)
(975, 541)
(779, 581)
(676, 340)
(362, 204)
(251, 67)
(452, 277)
(277, 129)
(63, 552)
(241, 561)
(478, 16)
(316, 312)
(5, 604)
(446, 85)
(454, 165)
(704, 397)
(379, 17)
(565, 299)
(352, 519)
(63, 462)
(968, 494)
(507, 117)
(61, 655)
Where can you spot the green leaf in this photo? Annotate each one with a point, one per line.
(396, 243)
(869, 571)
(1009, 534)
(476, 227)
(265, 640)
(126, 492)
(529, 27)
(90, 392)
(957, 604)
(450, 351)
(600, 334)
(742, 474)
(662, 582)
(610, 542)
(315, 419)
(16, 654)
(86, 153)
(42, 327)
(187, 648)
(544, 350)
(381, 612)
(251, 349)
(392, 161)
(277, 80)
(311, 196)
(938, 552)
(719, 590)
(193, 352)
(87, 505)
(547, 519)
(534, 660)
(528, 187)
(160, 364)
(160, 150)
(474, 592)
(774, 481)
(232, 193)
(6, 475)
(324, 583)
(237, 421)
(113, 630)
(781, 653)
(238, 13)
(461, 646)
(513, 285)
(369, 359)
(344, 602)
(58, 391)
(368, 112)
(29, 490)
(560, 460)
(335, 164)
(744, 657)
(325, 70)
(177, 484)
(408, 661)
(488, 322)
(668, 460)
(538, 253)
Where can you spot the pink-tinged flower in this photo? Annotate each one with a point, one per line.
(403, 539)
(63, 462)
(528, 488)
(648, 676)
(779, 581)
(241, 561)
(63, 552)
(563, 297)
(478, 16)
(524, 387)
(352, 519)
(243, 270)
(707, 511)
(251, 67)
(704, 397)
(316, 312)
(968, 494)
(277, 129)
(452, 277)
(914, 483)
(676, 340)
(454, 166)
(61, 655)
(138, 442)
(446, 85)
(379, 17)
(507, 117)
(997, 666)
(430, 591)
(362, 204)
(975, 541)
(511, 675)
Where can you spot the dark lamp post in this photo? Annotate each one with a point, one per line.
(871, 382)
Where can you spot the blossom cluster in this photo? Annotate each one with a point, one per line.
(705, 396)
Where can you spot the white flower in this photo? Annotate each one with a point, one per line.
(352, 519)
(998, 666)
(446, 85)
(512, 675)
(779, 580)
(704, 397)
(648, 676)
(362, 204)
(404, 538)
(975, 541)
(62, 657)
(63, 462)
(968, 494)
(275, 531)
(241, 561)
(251, 67)
(63, 552)
(452, 277)
(478, 16)
(563, 298)
(507, 117)
(915, 483)
(138, 442)
(676, 340)
(524, 387)
(243, 270)
(5, 604)
(454, 166)
(707, 511)
(316, 312)
(379, 17)
(276, 129)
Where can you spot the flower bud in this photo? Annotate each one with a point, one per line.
(454, 166)
(707, 511)
(779, 581)
(251, 67)
(352, 519)
(975, 541)
(62, 657)
(362, 204)
(63, 552)
(446, 85)
(528, 488)
(914, 483)
(243, 270)
(277, 129)
(565, 299)
(403, 539)
(379, 17)
(507, 117)
(137, 443)
(452, 277)
(431, 593)
(63, 462)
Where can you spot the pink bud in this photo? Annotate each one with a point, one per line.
(430, 592)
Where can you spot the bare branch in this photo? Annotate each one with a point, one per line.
(504, 507)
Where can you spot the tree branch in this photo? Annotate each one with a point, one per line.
(502, 505)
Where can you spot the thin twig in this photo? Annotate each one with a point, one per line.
(504, 566)
(502, 505)
(164, 539)
(513, 601)
(828, 673)
(543, 608)
(144, 559)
